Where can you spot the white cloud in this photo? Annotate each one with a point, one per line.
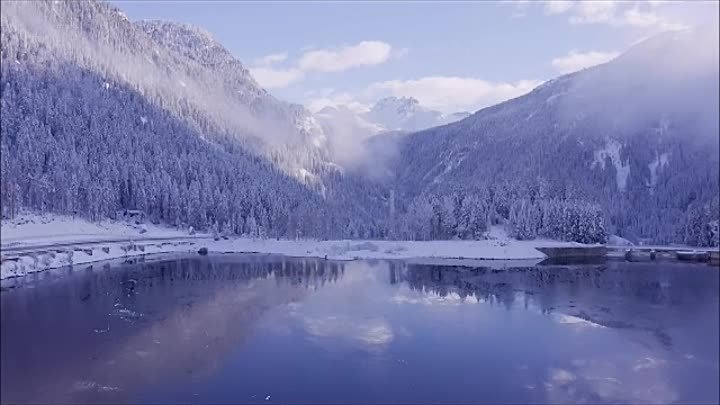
(558, 6)
(647, 19)
(276, 78)
(591, 11)
(447, 94)
(366, 53)
(659, 15)
(271, 59)
(575, 61)
(316, 104)
(452, 94)
(520, 7)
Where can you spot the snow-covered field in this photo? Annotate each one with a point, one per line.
(34, 243)
(34, 229)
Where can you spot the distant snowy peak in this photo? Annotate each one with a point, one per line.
(342, 114)
(401, 106)
(405, 113)
(390, 114)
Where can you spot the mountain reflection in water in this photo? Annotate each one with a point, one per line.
(240, 328)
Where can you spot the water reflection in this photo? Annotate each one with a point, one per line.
(237, 328)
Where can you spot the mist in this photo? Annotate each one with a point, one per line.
(157, 73)
(358, 145)
(672, 76)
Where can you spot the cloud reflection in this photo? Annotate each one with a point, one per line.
(367, 332)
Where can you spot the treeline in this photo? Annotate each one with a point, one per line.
(463, 214)
(571, 220)
(702, 225)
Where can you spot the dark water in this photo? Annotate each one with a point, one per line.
(243, 329)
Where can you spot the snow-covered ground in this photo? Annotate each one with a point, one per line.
(35, 243)
(31, 229)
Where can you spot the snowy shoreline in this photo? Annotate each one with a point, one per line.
(26, 262)
(36, 243)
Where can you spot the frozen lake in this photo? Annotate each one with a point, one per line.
(270, 329)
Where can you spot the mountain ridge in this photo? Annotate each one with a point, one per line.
(596, 134)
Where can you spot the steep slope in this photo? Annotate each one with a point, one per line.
(639, 135)
(98, 117)
(179, 68)
(291, 135)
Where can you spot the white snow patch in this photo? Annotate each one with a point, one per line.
(305, 175)
(615, 240)
(622, 169)
(309, 125)
(660, 162)
(28, 229)
(56, 241)
(663, 127)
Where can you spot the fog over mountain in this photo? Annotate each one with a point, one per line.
(638, 135)
(352, 135)
(102, 114)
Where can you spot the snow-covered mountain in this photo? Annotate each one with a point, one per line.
(288, 133)
(180, 68)
(406, 114)
(354, 136)
(101, 114)
(639, 135)
(390, 114)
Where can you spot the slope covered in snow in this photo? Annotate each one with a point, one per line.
(29, 229)
(101, 114)
(638, 135)
(156, 117)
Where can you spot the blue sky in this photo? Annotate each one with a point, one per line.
(449, 55)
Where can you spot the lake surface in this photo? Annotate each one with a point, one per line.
(268, 329)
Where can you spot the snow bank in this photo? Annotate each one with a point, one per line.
(65, 244)
(33, 228)
(27, 263)
(354, 249)
(614, 240)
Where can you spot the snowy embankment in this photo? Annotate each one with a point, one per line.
(30, 229)
(31, 243)
(35, 243)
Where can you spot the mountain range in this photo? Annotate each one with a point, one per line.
(101, 114)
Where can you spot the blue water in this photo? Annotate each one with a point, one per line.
(268, 329)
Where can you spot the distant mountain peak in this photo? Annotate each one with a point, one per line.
(400, 105)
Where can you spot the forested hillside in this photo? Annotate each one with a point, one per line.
(101, 115)
(101, 119)
(636, 138)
